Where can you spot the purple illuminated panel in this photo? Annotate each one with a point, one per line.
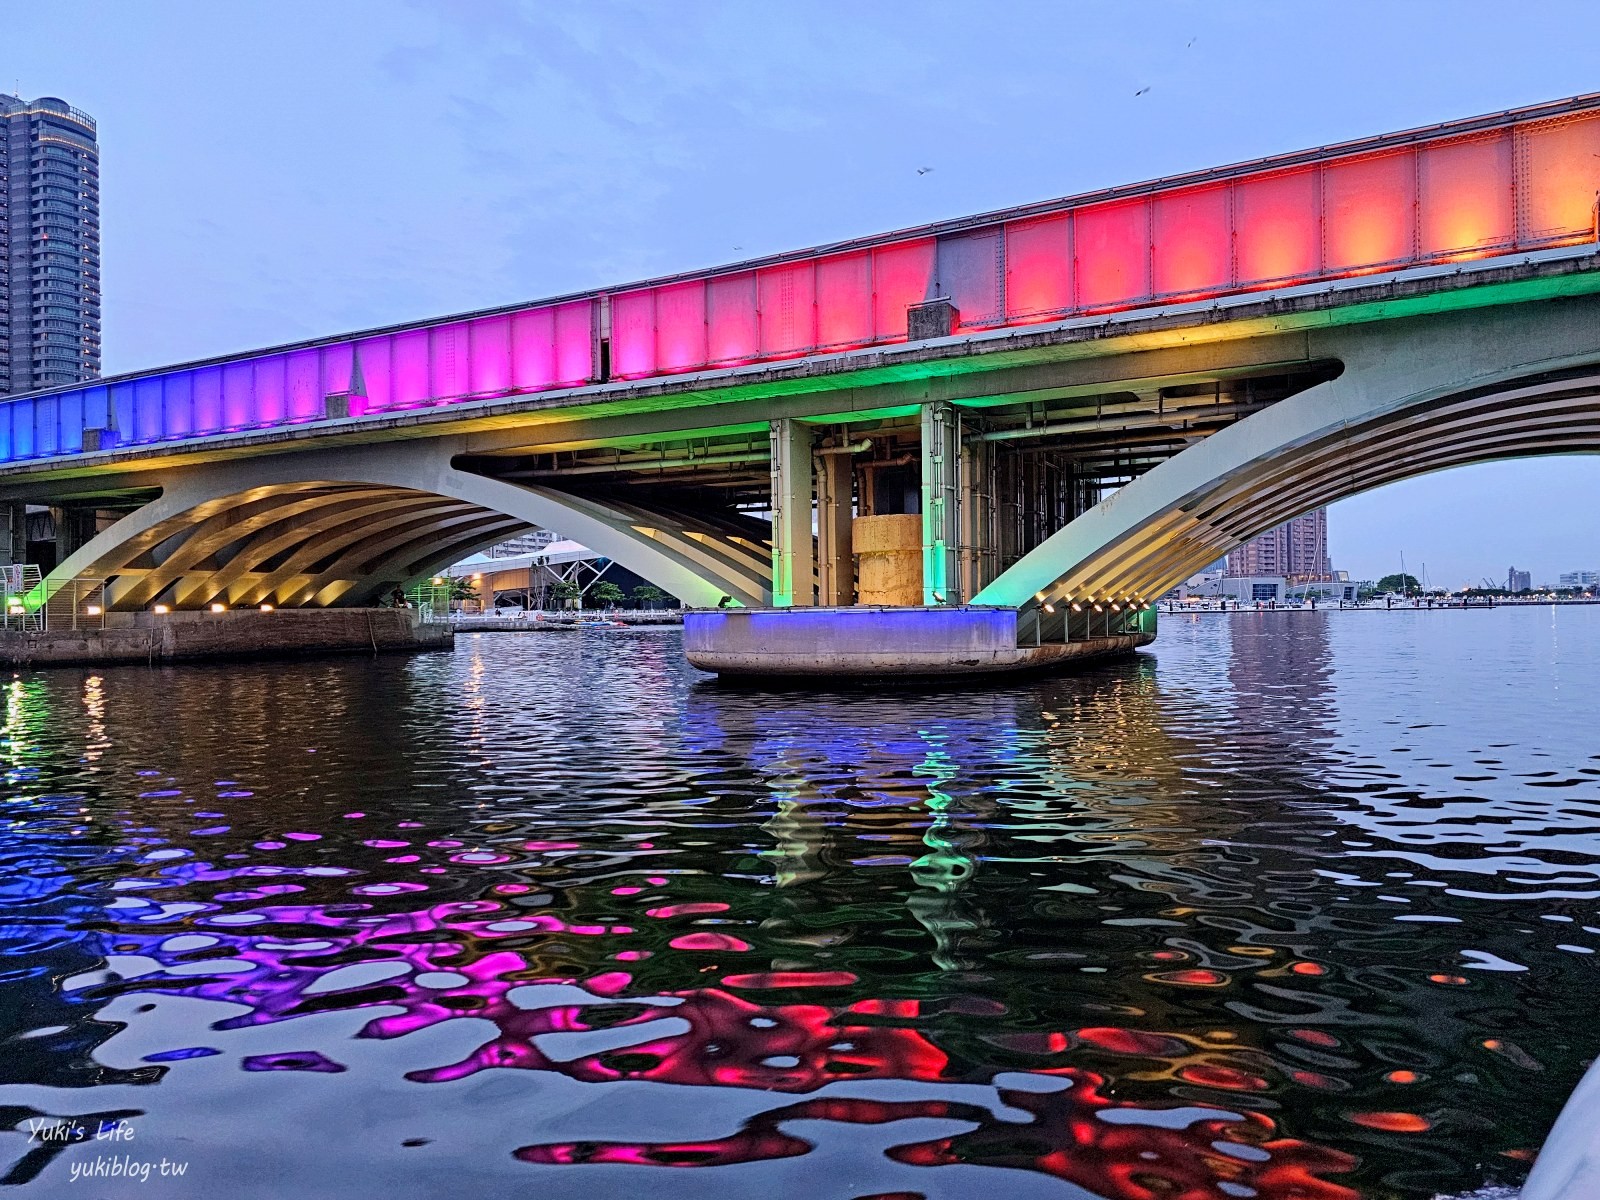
(303, 386)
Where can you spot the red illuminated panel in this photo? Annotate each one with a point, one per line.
(575, 343)
(633, 335)
(1277, 235)
(681, 326)
(732, 332)
(268, 386)
(902, 275)
(1369, 211)
(533, 349)
(1113, 253)
(1190, 250)
(1038, 268)
(844, 299)
(787, 297)
(1560, 174)
(409, 386)
(1465, 196)
(489, 348)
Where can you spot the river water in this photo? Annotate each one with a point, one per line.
(1295, 905)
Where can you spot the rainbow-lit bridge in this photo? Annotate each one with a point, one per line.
(1027, 413)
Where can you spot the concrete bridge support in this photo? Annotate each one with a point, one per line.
(793, 546)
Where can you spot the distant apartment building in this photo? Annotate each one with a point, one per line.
(49, 245)
(1580, 579)
(1518, 581)
(531, 542)
(1297, 551)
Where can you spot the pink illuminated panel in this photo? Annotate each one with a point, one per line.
(373, 354)
(681, 326)
(1038, 268)
(489, 353)
(1369, 211)
(732, 331)
(844, 300)
(787, 299)
(902, 275)
(575, 343)
(1559, 175)
(409, 358)
(1113, 254)
(1464, 203)
(533, 349)
(1277, 225)
(1190, 238)
(447, 361)
(633, 335)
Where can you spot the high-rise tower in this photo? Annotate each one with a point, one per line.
(1297, 550)
(49, 244)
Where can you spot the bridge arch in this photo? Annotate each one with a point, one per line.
(343, 528)
(1486, 387)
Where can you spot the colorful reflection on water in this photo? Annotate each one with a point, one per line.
(1301, 908)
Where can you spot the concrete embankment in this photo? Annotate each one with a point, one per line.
(552, 623)
(200, 636)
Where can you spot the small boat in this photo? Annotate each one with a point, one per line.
(602, 624)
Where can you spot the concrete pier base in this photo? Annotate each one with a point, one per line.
(199, 636)
(878, 642)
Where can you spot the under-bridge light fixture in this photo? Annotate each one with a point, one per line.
(216, 608)
(266, 608)
(1076, 607)
(1097, 608)
(1116, 608)
(93, 610)
(1049, 608)
(161, 608)
(16, 610)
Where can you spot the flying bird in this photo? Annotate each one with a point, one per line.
(923, 170)
(1142, 91)
(1190, 42)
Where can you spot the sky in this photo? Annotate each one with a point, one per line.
(278, 170)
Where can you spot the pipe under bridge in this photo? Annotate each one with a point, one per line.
(1029, 411)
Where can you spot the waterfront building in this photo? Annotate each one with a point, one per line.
(1296, 550)
(1518, 581)
(1580, 579)
(49, 245)
(531, 542)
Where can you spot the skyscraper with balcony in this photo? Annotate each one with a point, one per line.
(49, 244)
